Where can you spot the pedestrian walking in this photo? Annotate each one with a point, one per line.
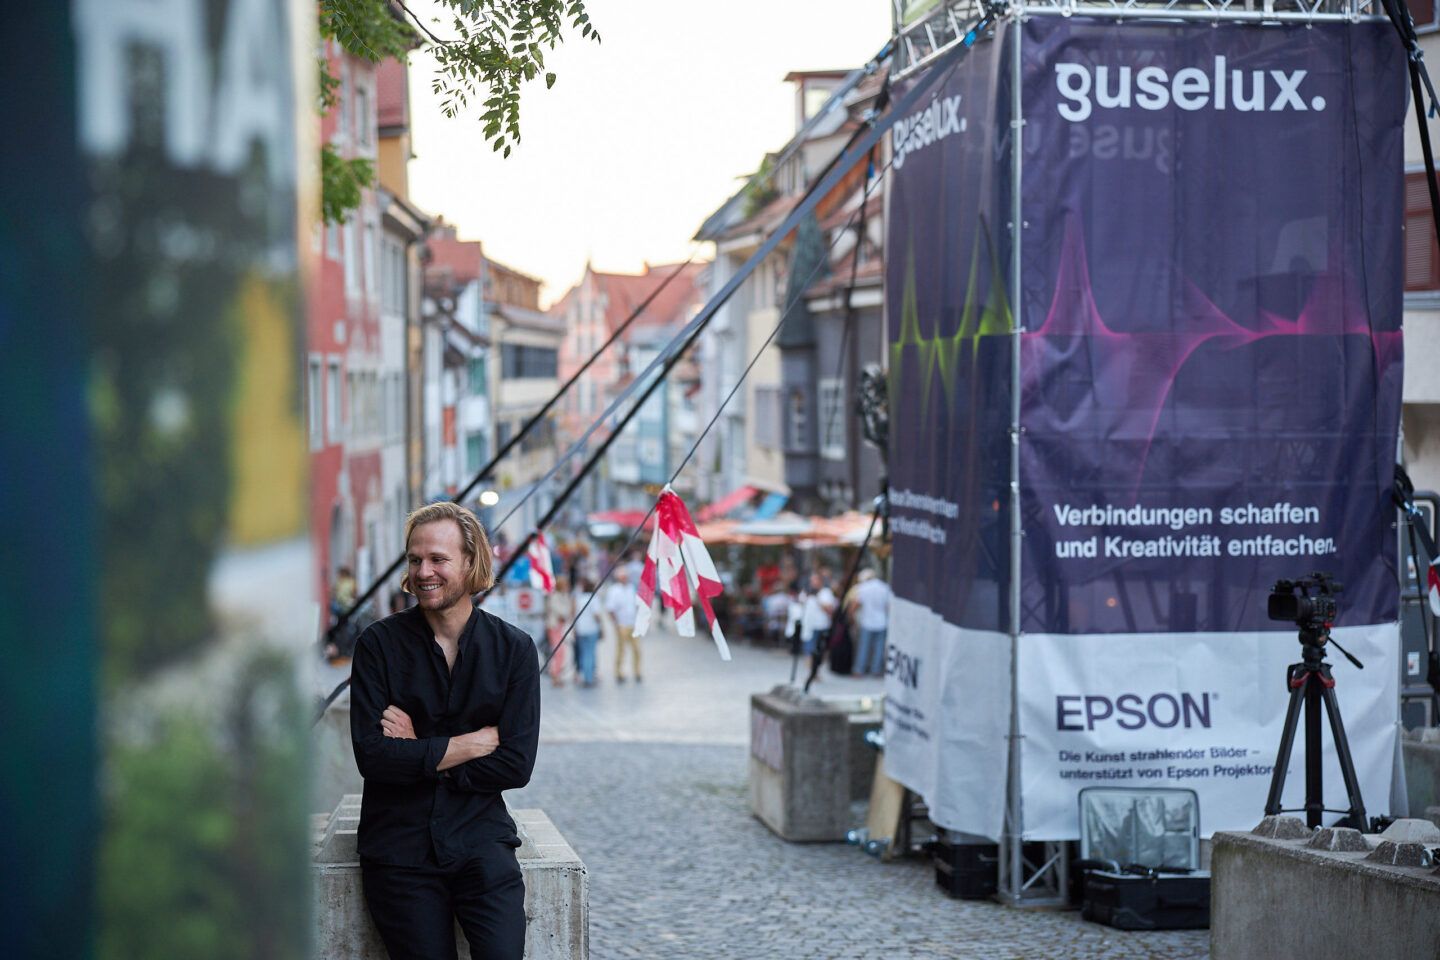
(818, 607)
(871, 609)
(620, 603)
(587, 632)
(436, 843)
(559, 611)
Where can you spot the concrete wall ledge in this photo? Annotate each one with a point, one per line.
(1273, 898)
(557, 907)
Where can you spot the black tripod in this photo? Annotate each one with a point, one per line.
(1311, 682)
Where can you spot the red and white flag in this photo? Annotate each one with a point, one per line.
(676, 562)
(542, 574)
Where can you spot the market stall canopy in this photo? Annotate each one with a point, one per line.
(771, 505)
(789, 528)
(606, 524)
(731, 501)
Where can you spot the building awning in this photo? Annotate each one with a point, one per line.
(848, 529)
(607, 524)
(731, 501)
(771, 505)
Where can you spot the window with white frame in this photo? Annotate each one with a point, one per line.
(832, 418)
(352, 409)
(392, 276)
(351, 251)
(363, 121)
(767, 417)
(797, 420)
(342, 116)
(316, 403)
(372, 271)
(332, 402)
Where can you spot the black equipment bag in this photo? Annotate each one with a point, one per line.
(1140, 859)
(842, 655)
(967, 871)
(1147, 901)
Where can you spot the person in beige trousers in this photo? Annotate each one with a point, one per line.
(620, 602)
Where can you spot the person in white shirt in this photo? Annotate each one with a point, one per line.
(819, 607)
(620, 602)
(587, 632)
(872, 620)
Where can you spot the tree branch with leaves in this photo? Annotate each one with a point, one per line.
(484, 50)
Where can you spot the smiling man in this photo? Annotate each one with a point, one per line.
(444, 715)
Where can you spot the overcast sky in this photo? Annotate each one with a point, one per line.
(643, 135)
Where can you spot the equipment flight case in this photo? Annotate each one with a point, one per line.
(1140, 858)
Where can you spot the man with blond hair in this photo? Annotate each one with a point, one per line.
(444, 715)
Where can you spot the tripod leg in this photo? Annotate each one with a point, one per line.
(1282, 759)
(1347, 764)
(1314, 753)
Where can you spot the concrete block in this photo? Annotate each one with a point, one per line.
(556, 894)
(1273, 898)
(1422, 770)
(1410, 830)
(862, 755)
(1433, 815)
(1400, 854)
(799, 766)
(1282, 828)
(1338, 838)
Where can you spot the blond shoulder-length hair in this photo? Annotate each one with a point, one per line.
(473, 542)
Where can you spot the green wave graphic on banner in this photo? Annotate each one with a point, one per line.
(942, 353)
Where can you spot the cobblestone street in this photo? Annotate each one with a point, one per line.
(648, 783)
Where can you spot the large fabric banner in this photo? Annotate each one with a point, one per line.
(1210, 382)
(947, 702)
(1210, 400)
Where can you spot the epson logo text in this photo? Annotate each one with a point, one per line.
(1132, 711)
(924, 127)
(1086, 88)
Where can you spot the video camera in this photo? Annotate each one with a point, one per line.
(1308, 602)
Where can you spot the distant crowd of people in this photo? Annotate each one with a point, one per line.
(776, 609)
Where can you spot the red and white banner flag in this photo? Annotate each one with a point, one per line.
(542, 574)
(676, 562)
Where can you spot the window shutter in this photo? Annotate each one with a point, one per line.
(1422, 257)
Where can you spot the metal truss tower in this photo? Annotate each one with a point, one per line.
(1036, 874)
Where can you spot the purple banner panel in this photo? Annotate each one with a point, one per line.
(949, 321)
(1211, 369)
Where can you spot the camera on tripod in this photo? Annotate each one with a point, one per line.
(1309, 602)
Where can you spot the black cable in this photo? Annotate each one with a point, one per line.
(510, 444)
(951, 60)
(710, 425)
(837, 623)
(847, 334)
(1399, 14)
(820, 188)
(828, 177)
(692, 332)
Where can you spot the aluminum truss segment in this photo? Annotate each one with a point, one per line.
(1252, 11)
(925, 29)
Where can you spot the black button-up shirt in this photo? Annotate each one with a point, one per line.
(409, 807)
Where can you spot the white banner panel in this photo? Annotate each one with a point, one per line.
(947, 716)
(1201, 711)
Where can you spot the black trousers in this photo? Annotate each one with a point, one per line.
(415, 908)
